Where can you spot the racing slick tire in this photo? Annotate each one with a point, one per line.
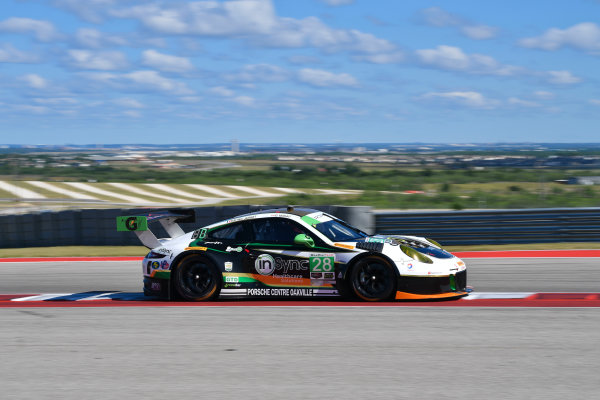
(373, 279)
(197, 279)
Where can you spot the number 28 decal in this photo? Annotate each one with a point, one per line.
(324, 263)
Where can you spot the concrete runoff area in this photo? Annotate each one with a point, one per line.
(299, 353)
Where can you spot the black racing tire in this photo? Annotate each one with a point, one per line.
(373, 279)
(197, 279)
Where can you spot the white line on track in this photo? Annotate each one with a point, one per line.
(142, 192)
(212, 190)
(172, 190)
(287, 190)
(20, 192)
(56, 189)
(93, 189)
(254, 191)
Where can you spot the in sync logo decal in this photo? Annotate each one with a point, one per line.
(265, 264)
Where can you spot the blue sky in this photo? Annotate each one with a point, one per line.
(141, 71)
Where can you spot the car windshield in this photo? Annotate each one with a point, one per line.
(338, 231)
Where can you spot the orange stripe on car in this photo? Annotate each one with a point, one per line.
(414, 296)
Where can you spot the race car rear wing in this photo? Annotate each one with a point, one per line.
(168, 219)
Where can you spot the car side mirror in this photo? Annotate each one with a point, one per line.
(304, 240)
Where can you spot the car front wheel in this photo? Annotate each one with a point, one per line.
(197, 279)
(373, 279)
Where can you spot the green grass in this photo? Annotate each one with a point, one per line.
(75, 251)
(116, 251)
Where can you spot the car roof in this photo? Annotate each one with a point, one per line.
(301, 212)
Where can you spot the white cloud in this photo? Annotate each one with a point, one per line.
(141, 80)
(435, 16)
(166, 62)
(8, 54)
(335, 3)
(595, 102)
(469, 99)
(132, 113)
(254, 21)
(205, 17)
(34, 81)
(56, 101)
(259, 73)
(221, 91)
(543, 95)
(515, 101)
(92, 38)
(153, 80)
(128, 102)
(584, 36)
(320, 78)
(245, 101)
(479, 32)
(106, 61)
(562, 78)
(43, 31)
(454, 59)
(89, 10)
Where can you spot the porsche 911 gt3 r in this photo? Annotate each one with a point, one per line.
(291, 253)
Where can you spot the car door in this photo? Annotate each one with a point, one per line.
(279, 261)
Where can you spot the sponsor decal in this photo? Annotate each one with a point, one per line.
(155, 286)
(164, 265)
(213, 242)
(374, 240)
(280, 292)
(267, 265)
(264, 264)
(163, 250)
(228, 266)
(344, 246)
(235, 249)
(328, 275)
(322, 263)
(132, 224)
(460, 264)
(155, 265)
(409, 266)
(232, 279)
(316, 275)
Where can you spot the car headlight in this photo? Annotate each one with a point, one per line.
(415, 255)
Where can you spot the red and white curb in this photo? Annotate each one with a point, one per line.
(123, 299)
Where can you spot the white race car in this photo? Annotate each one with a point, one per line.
(292, 253)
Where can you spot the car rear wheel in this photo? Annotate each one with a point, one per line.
(373, 279)
(197, 279)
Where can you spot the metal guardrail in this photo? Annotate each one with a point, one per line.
(495, 226)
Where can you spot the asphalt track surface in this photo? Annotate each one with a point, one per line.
(300, 352)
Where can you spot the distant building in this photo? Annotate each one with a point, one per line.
(584, 180)
(235, 146)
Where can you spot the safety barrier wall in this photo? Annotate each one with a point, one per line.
(98, 227)
(495, 226)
